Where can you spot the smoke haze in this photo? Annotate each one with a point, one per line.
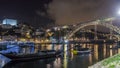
(75, 11)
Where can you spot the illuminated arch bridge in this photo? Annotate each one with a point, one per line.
(103, 22)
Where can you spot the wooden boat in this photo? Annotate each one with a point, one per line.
(33, 56)
(15, 64)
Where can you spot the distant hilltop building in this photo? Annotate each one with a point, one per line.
(11, 22)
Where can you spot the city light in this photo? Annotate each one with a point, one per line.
(66, 41)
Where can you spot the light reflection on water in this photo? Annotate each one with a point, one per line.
(68, 60)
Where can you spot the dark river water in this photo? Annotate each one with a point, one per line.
(68, 59)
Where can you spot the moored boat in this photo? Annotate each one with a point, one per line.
(82, 51)
(33, 56)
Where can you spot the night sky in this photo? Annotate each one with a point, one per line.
(42, 12)
(29, 11)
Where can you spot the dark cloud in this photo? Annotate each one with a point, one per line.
(62, 11)
(74, 11)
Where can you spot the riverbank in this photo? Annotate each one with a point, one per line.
(111, 62)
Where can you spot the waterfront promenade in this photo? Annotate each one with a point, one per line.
(111, 62)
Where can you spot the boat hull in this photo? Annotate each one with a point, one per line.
(81, 52)
(29, 57)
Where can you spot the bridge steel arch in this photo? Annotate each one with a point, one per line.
(103, 22)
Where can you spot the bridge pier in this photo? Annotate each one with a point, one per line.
(111, 32)
(95, 27)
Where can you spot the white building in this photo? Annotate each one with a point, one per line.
(11, 22)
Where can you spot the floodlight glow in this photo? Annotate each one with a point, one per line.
(119, 11)
(10, 22)
(66, 41)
